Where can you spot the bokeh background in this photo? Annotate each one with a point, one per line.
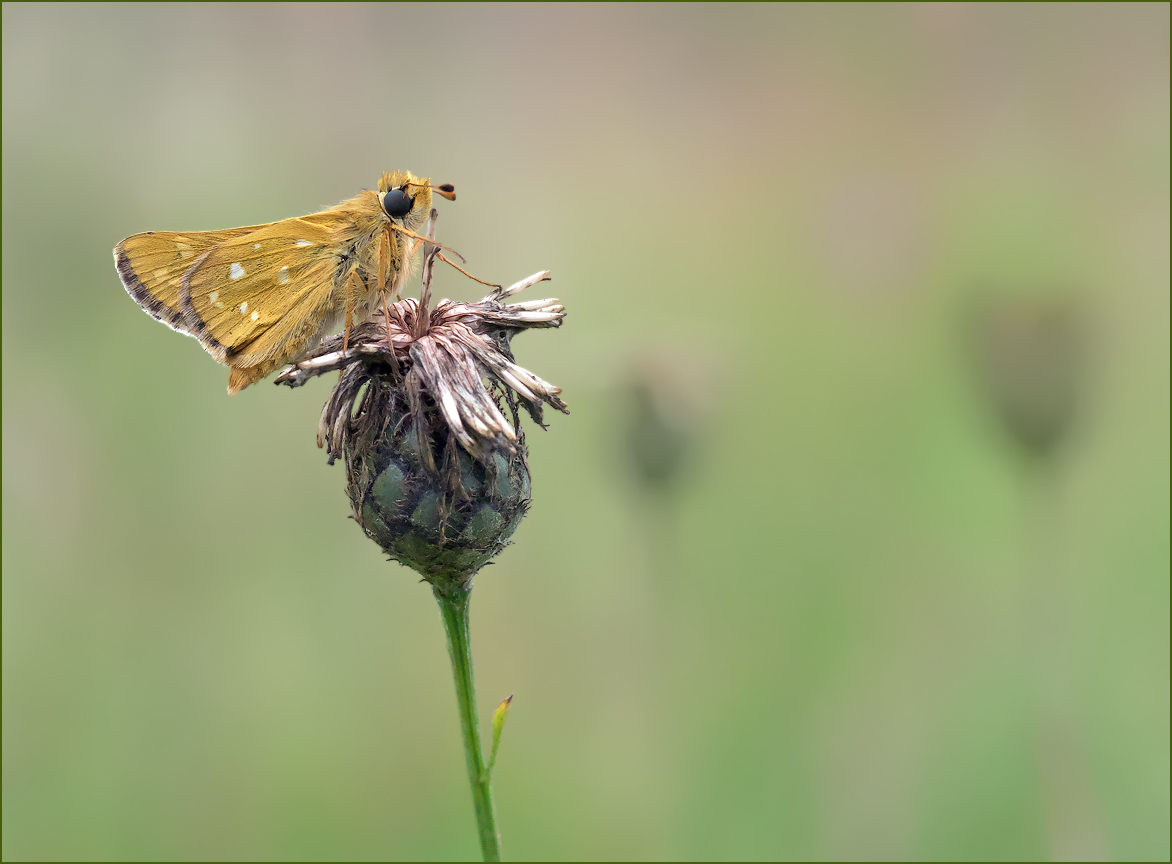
(799, 580)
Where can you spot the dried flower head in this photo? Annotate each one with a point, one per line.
(436, 473)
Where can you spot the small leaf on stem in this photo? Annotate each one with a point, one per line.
(499, 716)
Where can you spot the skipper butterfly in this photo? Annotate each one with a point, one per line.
(262, 296)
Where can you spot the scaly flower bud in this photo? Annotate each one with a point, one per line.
(436, 474)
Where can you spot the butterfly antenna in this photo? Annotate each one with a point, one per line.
(444, 190)
(446, 260)
(411, 233)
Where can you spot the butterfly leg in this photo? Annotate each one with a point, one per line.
(349, 312)
(384, 255)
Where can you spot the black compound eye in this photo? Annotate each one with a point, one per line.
(398, 203)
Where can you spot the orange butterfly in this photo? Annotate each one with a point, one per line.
(262, 296)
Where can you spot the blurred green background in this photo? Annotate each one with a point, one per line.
(851, 616)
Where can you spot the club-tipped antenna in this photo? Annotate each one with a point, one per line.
(444, 190)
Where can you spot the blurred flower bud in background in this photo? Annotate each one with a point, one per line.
(1030, 355)
(664, 415)
(662, 396)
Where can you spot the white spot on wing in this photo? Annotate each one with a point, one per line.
(255, 245)
(219, 305)
(236, 271)
(243, 307)
(301, 243)
(214, 296)
(283, 275)
(254, 316)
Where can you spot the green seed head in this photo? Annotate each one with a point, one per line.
(447, 521)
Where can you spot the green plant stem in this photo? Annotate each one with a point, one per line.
(454, 611)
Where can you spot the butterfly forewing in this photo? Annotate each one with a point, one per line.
(247, 297)
(152, 266)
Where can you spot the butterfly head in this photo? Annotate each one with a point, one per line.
(405, 197)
